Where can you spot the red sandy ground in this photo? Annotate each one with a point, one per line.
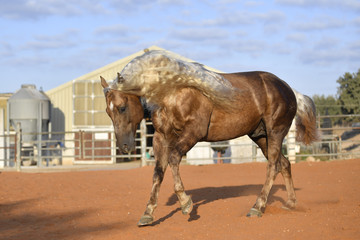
(107, 204)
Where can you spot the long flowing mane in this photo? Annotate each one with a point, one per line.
(157, 74)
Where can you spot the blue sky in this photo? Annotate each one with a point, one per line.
(307, 43)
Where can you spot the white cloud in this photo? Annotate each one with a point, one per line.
(253, 3)
(319, 23)
(204, 56)
(347, 4)
(199, 34)
(327, 43)
(29, 9)
(356, 22)
(281, 48)
(252, 47)
(45, 42)
(40, 45)
(270, 17)
(117, 29)
(324, 57)
(29, 61)
(299, 38)
(355, 46)
(235, 18)
(228, 19)
(172, 2)
(6, 50)
(131, 6)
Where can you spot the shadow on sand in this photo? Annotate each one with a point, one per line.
(18, 220)
(202, 196)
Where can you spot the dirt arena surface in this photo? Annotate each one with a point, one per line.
(108, 204)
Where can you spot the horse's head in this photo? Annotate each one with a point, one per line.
(126, 112)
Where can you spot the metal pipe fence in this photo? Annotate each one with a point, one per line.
(99, 147)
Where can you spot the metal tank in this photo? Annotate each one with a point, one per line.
(31, 108)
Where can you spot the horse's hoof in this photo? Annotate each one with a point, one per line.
(289, 205)
(288, 208)
(145, 220)
(187, 207)
(254, 213)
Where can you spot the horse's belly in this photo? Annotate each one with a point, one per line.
(231, 126)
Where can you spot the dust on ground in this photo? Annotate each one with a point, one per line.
(107, 204)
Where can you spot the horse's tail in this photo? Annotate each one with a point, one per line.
(305, 121)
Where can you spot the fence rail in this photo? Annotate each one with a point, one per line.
(99, 147)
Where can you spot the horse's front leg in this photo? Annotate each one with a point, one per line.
(161, 152)
(186, 203)
(183, 144)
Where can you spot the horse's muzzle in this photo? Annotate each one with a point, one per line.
(125, 148)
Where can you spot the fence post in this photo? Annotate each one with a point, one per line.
(18, 146)
(291, 144)
(254, 151)
(340, 147)
(39, 135)
(143, 142)
(81, 145)
(2, 140)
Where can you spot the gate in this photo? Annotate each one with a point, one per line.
(91, 147)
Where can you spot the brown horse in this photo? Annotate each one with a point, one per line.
(261, 106)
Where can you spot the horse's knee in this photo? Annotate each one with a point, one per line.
(178, 188)
(285, 167)
(159, 172)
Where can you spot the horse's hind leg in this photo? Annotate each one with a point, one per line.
(271, 144)
(161, 152)
(286, 173)
(273, 156)
(284, 167)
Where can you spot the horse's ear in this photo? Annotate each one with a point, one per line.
(103, 82)
(120, 79)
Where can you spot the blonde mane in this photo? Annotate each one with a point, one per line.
(157, 74)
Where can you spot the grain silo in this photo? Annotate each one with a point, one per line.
(31, 108)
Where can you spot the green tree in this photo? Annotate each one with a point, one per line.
(349, 93)
(327, 105)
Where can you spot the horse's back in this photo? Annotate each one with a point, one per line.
(265, 87)
(256, 80)
(262, 96)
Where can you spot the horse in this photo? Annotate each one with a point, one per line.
(188, 107)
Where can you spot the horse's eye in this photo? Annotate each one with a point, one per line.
(121, 109)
